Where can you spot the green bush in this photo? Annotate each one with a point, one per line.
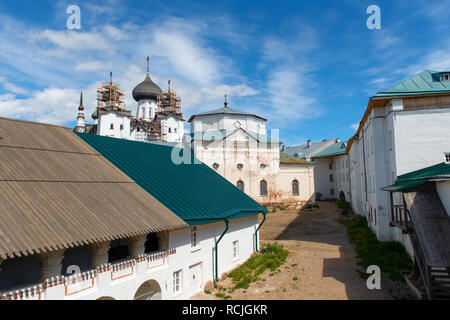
(391, 256)
(271, 256)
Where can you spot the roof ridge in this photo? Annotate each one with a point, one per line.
(35, 122)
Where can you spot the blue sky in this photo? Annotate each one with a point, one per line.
(309, 67)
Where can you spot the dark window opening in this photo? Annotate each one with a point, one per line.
(240, 185)
(118, 250)
(152, 243)
(78, 256)
(263, 188)
(295, 191)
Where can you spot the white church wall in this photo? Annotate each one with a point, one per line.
(120, 125)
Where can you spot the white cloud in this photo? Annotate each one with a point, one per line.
(354, 126)
(94, 65)
(73, 40)
(12, 87)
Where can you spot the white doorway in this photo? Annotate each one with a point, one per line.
(195, 278)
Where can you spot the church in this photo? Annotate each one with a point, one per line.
(233, 143)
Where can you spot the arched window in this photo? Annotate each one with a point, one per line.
(263, 188)
(240, 185)
(295, 187)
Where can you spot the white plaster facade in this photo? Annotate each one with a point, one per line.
(229, 144)
(138, 276)
(395, 139)
(331, 177)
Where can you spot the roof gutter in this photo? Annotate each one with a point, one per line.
(256, 232)
(216, 247)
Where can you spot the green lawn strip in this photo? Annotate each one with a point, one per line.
(271, 256)
(390, 256)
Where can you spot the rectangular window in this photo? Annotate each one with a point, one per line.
(332, 192)
(235, 250)
(111, 126)
(175, 130)
(330, 166)
(170, 130)
(177, 285)
(121, 127)
(331, 178)
(447, 157)
(195, 243)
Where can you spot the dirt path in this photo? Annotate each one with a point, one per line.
(321, 262)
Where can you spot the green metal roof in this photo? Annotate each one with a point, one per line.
(425, 82)
(335, 149)
(217, 135)
(225, 110)
(408, 180)
(192, 190)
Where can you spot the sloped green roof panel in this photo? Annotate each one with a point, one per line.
(192, 190)
(412, 179)
(425, 82)
(404, 185)
(335, 149)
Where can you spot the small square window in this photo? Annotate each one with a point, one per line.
(121, 127)
(332, 192)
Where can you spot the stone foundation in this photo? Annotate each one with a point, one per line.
(286, 205)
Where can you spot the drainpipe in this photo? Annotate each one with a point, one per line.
(216, 253)
(256, 232)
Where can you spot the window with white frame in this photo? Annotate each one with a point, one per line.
(235, 250)
(177, 281)
(195, 243)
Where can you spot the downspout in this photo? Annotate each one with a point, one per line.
(256, 232)
(216, 253)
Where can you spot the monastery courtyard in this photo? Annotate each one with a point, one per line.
(321, 258)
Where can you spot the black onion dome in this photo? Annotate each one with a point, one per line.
(147, 89)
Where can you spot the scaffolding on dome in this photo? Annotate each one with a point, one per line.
(169, 102)
(109, 95)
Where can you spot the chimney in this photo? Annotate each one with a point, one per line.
(309, 143)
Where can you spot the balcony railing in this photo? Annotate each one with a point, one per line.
(400, 217)
(87, 280)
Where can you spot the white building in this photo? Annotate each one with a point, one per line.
(403, 129)
(82, 203)
(158, 114)
(236, 145)
(331, 172)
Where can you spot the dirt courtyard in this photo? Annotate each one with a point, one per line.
(321, 262)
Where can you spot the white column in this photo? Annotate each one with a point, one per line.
(137, 245)
(50, 264)
(99, 253)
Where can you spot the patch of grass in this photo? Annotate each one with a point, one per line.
(294, 265)
(345, 206)
(391, 256)
(295, 278)
(274, 210)
(271, 256)
(208, 291)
